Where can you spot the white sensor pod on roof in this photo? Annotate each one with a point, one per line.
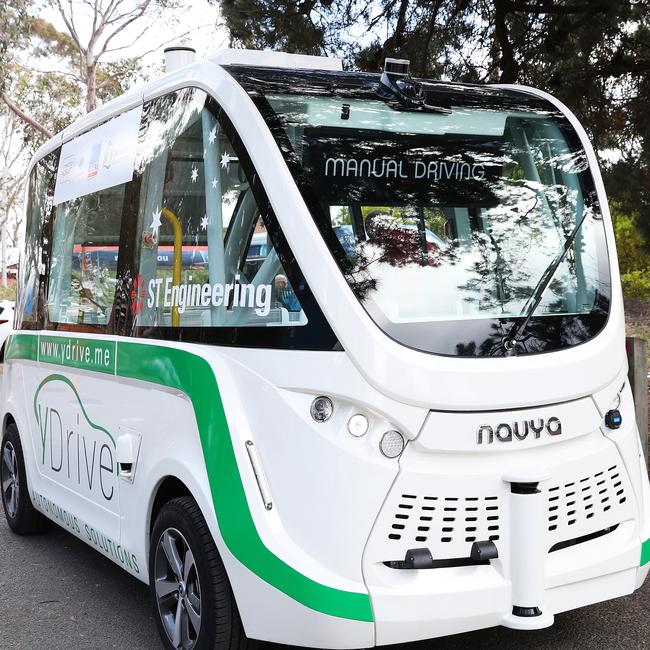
(178, 56)
(249, 246)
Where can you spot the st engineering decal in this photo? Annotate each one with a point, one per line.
(163, 292)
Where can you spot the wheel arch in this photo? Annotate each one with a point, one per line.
(169, 487)
(7, 420)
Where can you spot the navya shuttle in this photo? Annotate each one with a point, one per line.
(387, 402)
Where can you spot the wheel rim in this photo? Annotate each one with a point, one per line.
(9, 477)
(178, 591)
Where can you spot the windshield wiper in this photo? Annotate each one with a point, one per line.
(512, 338)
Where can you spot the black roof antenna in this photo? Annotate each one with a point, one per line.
(396, 83)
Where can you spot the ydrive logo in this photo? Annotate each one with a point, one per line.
(507, 432)
(74, 451)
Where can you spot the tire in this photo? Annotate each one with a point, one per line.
(21, 515)
(181, 537)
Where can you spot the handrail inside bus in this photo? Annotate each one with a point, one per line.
(177, 264)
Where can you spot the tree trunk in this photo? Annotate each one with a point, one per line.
(24, 117)
(508, 64)
(91, 87)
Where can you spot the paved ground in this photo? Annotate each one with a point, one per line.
(56, 593)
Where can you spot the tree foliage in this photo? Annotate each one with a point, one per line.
(48, 77)
(594, 55)
(632, 253)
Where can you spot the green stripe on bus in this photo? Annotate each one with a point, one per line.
(645, 552)
(97, 355)
(193, 375)
(22, 346)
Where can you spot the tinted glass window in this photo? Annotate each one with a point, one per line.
(85, 244)
(209, 262)
(205, 255)
(453, 227)
(32, 264)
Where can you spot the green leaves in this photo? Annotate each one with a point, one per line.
(633, 255)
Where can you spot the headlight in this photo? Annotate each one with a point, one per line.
(321, 409)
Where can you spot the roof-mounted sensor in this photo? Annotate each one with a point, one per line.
(401, 91)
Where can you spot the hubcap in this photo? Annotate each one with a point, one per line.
(9, 479)
(178, 591)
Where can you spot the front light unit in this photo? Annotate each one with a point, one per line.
(391, 444)
(321, 409)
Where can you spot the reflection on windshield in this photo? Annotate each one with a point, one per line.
(461, 251)
(444, 224)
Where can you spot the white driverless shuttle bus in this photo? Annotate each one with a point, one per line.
(327, 359)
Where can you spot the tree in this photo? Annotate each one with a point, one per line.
(593, 55)
(633, 258)
(283, 25)
(94, 32)
(108, 19)
(38, 99)
(12, 175)
(13, 21)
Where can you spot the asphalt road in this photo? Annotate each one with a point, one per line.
(56, 593)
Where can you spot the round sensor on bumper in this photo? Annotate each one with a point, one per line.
(391, 444)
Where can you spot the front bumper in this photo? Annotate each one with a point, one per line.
(572, 541)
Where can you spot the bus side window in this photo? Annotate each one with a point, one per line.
(205, 257)
(85, 246)
(39, 209)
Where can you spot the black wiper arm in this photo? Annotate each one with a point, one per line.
(511, 339)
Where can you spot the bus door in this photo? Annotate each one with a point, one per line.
(75, 393)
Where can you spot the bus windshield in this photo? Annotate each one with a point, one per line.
(444, 223)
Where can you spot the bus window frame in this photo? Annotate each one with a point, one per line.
(44, 234)
(131, 192)
(316, 334)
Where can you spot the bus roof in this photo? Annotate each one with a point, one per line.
(286, 73)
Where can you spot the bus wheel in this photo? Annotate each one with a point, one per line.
(21, 515)
(193, 603)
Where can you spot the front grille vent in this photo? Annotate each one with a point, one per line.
(433, 519)
(580, 500)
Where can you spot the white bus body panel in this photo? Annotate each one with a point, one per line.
(335, 496)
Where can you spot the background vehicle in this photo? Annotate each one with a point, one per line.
(391, 402)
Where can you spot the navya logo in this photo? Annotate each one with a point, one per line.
(507, 432)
